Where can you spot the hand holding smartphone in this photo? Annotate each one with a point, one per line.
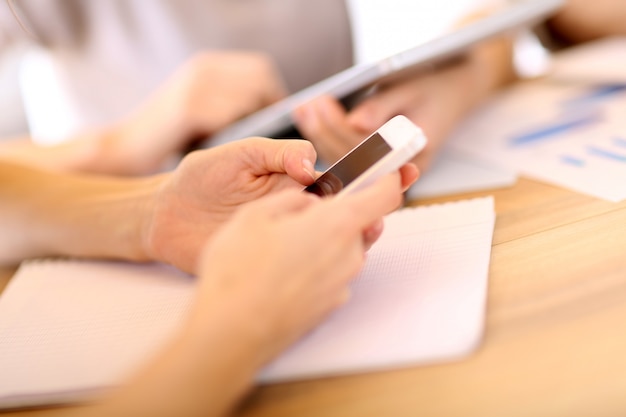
(383, 152)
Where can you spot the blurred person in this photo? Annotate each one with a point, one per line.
(245, 199)
(582, 20)
(95, 61)
(206, 93)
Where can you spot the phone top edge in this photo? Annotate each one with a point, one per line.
(410, 140)
(399, 131)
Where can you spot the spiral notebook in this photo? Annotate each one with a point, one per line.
(69, 329)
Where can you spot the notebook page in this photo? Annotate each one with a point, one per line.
(420, 298)
(69, 328)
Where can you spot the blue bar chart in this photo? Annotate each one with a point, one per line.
(569, 134)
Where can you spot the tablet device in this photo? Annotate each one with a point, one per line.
(275, 119)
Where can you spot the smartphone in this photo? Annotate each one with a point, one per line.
(394, 144)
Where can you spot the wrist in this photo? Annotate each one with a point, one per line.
(491, 67)
(131, 212)
(120, 150)
(50, 213)
(142, 143)
(116, 152)
(106, 220)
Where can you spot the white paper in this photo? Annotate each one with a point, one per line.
(558, 130)
(455, 172)
(71, 328)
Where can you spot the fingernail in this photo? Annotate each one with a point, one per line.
(308, 167)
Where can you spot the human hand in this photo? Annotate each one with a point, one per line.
(436, 101)
(282, 263)
(273, 271)
(431, 101)
(209, 92)
(210, 185)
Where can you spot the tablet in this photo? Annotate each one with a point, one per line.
(275, 119)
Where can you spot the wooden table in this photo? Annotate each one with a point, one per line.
(555, 340)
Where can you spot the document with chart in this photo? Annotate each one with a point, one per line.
(568, 128)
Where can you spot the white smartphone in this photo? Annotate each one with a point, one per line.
(394, 144)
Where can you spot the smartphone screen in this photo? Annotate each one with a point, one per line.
(344, 171)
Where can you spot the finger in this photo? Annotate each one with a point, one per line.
(386, 102)
(372, 233)
(369, 115)
(295, 158)
(409, 173)
(373, 112)
(424, 160)
(344, 297)
(298, 159)
(335, 122)
(276, 205)
(323, 122)
(366, 206)
(275, 90)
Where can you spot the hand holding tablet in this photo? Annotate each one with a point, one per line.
(276, 118)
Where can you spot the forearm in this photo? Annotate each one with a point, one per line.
(584, 20)
(80, 154)
(113, 151)
(45, 213)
